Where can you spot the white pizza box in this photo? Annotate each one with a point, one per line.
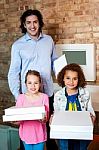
(20, 117)
(71, 125)
(71, 135)
(14, 110)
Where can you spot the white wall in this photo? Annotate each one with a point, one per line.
(94, 91)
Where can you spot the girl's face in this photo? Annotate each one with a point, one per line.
(71, 79)
(33, 84)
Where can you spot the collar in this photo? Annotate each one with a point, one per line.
(81, 91)
(66, 94)
(27, 37)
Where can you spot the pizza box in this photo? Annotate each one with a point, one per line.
(14, 110)
(71, 125)
(21, 117)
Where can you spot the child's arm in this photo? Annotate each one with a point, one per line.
(93, 118)
(15, 122)
(46, 104)
(50, 120)
(90, 109)
(44, 120)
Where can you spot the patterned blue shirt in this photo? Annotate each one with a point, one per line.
(26, 54)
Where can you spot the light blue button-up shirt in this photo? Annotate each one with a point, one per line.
(28, 54)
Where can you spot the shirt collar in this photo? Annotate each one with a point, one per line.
(27, 37)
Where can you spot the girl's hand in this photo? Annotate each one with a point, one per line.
(44, 120)
(15, 123)
(50, 120)
(93, 118)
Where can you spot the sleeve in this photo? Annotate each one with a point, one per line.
(53, 56)
(14, 72)
(90, 108)
(19, 102)
(56, 101)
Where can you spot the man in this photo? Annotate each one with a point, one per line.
(35, 51)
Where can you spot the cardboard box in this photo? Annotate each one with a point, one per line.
(24, 110)
(27, 113)
(23, 117)
(71, 125)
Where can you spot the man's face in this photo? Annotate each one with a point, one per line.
(32, 26)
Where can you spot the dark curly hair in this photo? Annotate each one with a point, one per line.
(73, 67)
(30, 12)
(33, 72)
